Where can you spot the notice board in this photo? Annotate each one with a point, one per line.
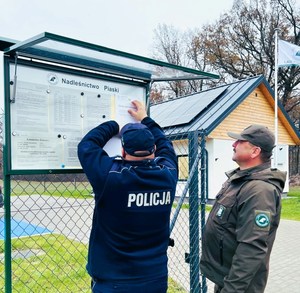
(51, 111)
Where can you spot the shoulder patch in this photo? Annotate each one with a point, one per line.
(220, 211)
(262, 220)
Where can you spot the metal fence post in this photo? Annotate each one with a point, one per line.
(203, 196)
(7, 233)
(7, 198)
(194, 216)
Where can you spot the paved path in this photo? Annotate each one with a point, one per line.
(284, 274)
(284, 264)
(285, 259)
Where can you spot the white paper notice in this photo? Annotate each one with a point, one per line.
(35, 152)
(52, 111)
(113, 146)
(122, 105)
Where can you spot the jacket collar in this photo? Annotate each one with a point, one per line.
(237, 173)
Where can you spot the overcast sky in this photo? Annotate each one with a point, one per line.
(126, 25)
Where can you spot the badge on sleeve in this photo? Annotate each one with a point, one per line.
(262, 220)
(220, 211)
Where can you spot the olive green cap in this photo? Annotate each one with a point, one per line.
(258, 135)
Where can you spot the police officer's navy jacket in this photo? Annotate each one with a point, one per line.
(133, 200)
(241, 229)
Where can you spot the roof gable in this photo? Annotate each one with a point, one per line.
(246, 113)
(206, 114)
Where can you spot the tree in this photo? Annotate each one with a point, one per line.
(156, 94)
(241, 44)
(184, 49)
(238, 45)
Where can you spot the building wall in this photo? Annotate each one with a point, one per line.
(219, 153)
(255, 109)
(220, 161)
(283, 163)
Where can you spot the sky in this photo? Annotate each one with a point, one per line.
(126, 25)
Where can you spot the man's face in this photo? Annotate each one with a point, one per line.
(243, 152)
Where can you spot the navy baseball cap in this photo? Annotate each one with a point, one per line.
(137, 140)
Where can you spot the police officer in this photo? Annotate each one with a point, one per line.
(242, 224)
(133, 200)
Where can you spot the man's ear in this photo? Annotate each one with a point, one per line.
(256, 152)
(123, 153)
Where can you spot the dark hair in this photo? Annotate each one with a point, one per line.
(265, 155)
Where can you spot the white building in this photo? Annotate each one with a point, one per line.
(211, 114)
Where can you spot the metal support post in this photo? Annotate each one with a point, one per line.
(194, 216)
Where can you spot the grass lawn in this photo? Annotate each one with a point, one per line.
(66, 189)
(291, 205)
(57, 266)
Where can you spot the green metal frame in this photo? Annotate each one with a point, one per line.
(29, 49)
(138, 70)
(7, 151)
(7, 205)
(97, 65)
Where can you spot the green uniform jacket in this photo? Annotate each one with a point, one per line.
(241, 228)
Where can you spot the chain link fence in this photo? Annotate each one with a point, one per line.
(188, 216)
(44, 245)
(50, 218)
